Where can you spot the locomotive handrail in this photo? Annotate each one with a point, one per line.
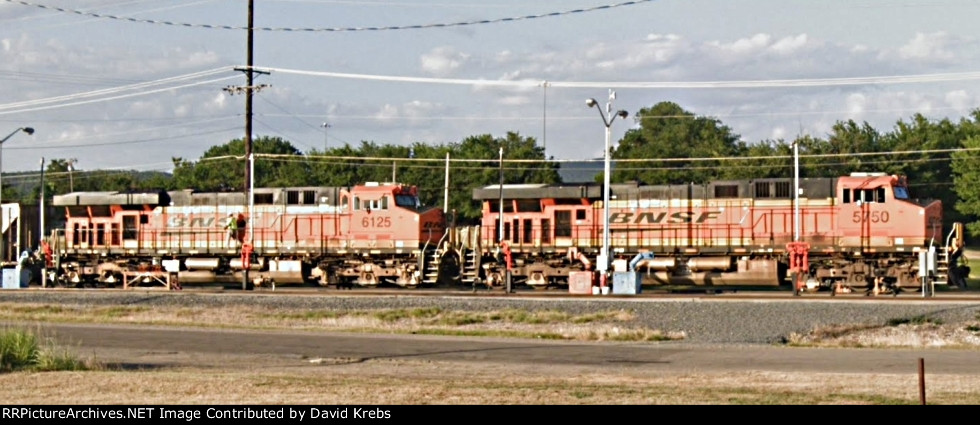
(957, 232)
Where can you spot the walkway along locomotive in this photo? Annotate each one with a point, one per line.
(859, 231)
(369, 234)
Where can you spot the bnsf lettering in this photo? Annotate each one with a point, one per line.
(656, 218)
(180, 221)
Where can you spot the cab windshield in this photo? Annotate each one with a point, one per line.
(901, 192)
(407, 201)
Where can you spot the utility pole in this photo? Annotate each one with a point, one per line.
(247, 90)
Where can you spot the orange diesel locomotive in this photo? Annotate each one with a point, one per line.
(365, 235)
(861, 230)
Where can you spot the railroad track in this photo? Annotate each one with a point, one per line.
(550, 293)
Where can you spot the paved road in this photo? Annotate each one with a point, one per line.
(133, 346)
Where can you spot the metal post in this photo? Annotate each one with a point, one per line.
(249, 215)
(71, 178)
(796, 192)
(922, 381)
(325, 127)
(604, 261)
(796, 210)
(445, 189)
(507, 278)
(500, 210)
(544, 118)
(604, 253)
(40, 233)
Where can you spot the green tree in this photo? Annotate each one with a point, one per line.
(965, 167)
(926, 164)
(523, 162)
(844, 150)
(222, 167)
(673, 144)
(765, 159)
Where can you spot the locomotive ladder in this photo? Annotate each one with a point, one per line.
(942, 267)
(954, 241)
(430, 274)
(471, 266)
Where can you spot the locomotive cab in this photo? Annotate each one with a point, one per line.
(877, 212)
(388, 215)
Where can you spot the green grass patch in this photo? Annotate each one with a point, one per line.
(309, 315)
(917, 320)
(34, 310)
(116, 312)
(403, 314)
(610, 325)
(21, 350)
(489, 333)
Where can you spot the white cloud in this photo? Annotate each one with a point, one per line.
(789, 45)
(960, 100)
(778, 133)
(442, 61)
(856, 103)
(743, 46)
(927, 46)
(514, 101)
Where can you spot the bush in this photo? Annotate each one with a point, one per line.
(21, 350)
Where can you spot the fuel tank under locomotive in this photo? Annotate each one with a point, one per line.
(216, 270)
(710, 271)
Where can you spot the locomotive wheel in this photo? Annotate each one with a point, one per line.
(450, 271)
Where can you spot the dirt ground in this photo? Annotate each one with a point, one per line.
(117, 378)
(402, 382)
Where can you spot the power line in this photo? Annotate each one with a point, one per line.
(291, 157)
(78, 98)
(806, 82)
(334, 29)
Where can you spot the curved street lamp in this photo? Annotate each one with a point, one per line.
(29, 131)
(603, 261)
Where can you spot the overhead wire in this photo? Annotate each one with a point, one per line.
(329, 29)
(773, 83)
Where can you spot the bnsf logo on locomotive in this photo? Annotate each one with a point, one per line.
(655, 218)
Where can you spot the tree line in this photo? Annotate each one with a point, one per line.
(666, 145)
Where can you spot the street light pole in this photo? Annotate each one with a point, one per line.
(796, 215)
(71, 178)
(796, 191)
(500, 209)
(3, 230)
(603, 261)
(40, 233)
(325, 127)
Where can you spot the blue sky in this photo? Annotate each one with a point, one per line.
(130, 84)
